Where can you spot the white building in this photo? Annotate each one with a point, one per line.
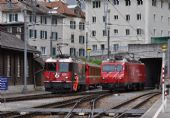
(129, 21)
(61, 24)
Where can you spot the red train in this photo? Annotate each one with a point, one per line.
(122, 74)
(67, 74)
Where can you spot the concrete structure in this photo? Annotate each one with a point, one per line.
(56, 24)
(129, 22)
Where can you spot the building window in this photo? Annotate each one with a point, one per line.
(127, 2)
(102, 47)
(115, 31)
(54, 35)
(139, 2)
(81, 52)
(43, 50)
(43, 20)
(127, 17)
(138, 16)
(13, 17)
(72, 38)
(81, 39)
(54, 20)
(115, 2)
(33, 33)
(154, 17)
(161, 18)
(116, 17)
(43, 34)
(18, 67)
(54, 51)
(104, 33)
(8, 66)
(154, 32)
(72, 24)
(94, 47)
(168, 20)
(72, 52)
(96, 4)
(18, 29)
(139, 31)
(115, 47)
(162, 2)
(161, 32)
(94, 19)
(104, 19)
(33, 19)
(93, 33)
(154, 2)
(127, 32)
(9, 29)
(81, 26)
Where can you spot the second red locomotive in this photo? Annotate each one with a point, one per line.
(122, 74)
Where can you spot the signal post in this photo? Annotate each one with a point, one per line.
(164, 49)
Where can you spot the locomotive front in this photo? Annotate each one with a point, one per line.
(58, 75)
(112, 75)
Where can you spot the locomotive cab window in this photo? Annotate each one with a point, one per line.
(50, 66)
(119, 68)
(63, 67)
(108, 68)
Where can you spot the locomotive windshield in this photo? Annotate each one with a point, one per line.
(108, 68)
(112, 68)
(63, 67)
(50, 66)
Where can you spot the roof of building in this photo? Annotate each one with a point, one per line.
(16, 6)
(63, 8)
(10, 41)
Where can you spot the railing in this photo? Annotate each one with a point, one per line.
(112, 51)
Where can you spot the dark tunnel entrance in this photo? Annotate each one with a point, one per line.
(153, 71)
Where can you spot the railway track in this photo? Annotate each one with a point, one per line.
(71, 107)
(44, 96)
(133, 103)
(60, 104)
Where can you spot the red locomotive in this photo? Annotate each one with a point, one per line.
(67, 74)
(122, 74)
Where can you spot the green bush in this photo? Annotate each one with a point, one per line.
(92, 60)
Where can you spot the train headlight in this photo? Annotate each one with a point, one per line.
(66, 77)
(103, 78)
(57, 75)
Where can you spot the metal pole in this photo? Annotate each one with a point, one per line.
(25, 52)
(108, 41)
(86, 47)
(163, 80)
(51, 37)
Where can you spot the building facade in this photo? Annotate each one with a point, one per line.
(58, 26)
(128, 22)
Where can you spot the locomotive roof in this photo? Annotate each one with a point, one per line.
(123, 60)
(69, 59)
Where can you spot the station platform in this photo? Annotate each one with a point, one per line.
(156, 110)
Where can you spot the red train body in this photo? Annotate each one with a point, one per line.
(122, 75)
(68, 74)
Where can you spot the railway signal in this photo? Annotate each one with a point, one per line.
(164, 49)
